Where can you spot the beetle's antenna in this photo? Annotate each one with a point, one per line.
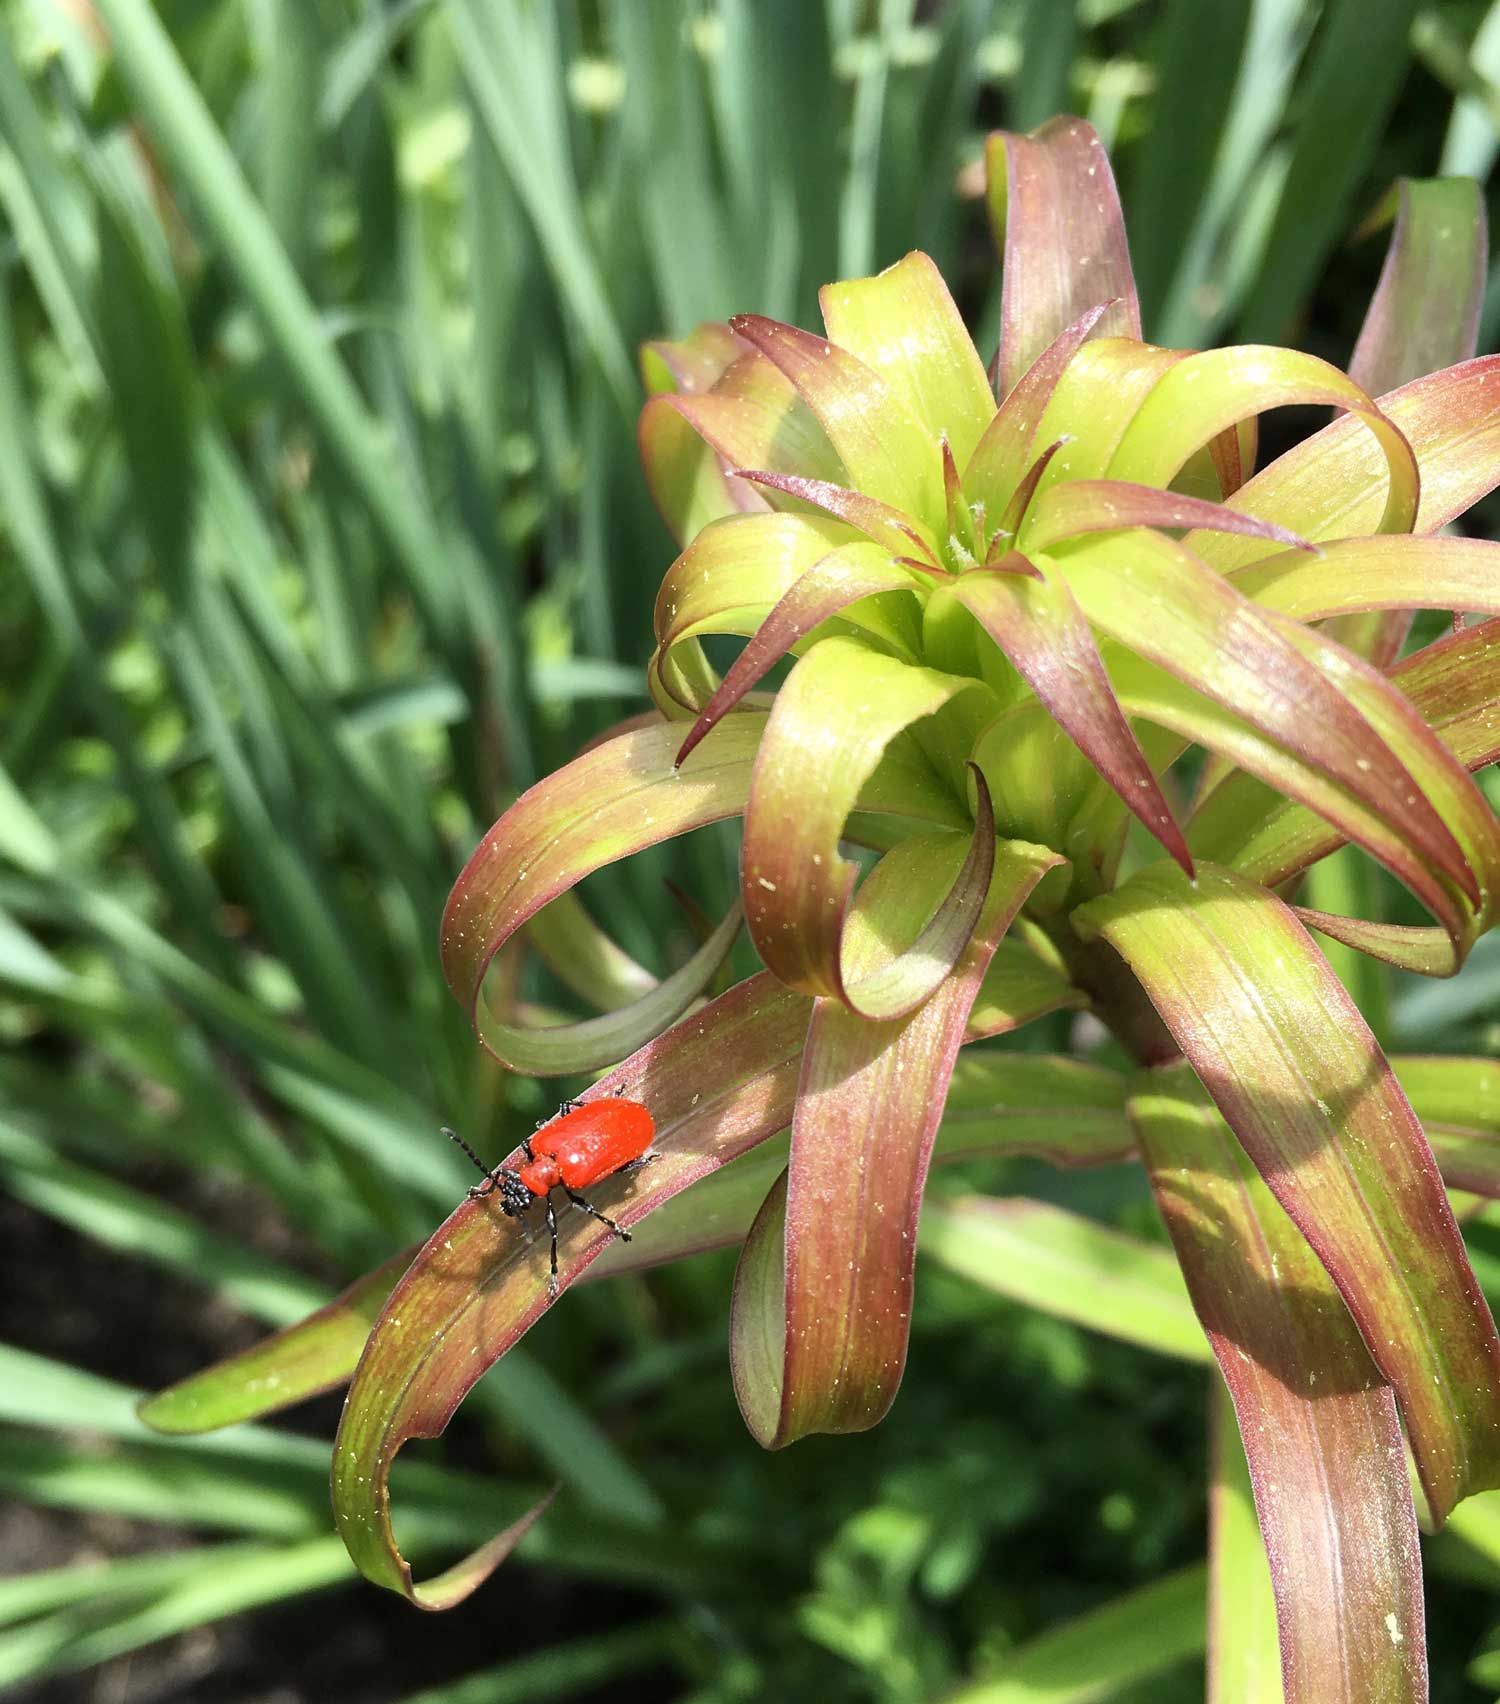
(453, 1136)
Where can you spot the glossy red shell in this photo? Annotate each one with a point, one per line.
(579, 1147)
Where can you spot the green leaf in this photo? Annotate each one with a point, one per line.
(1346, 96)
(1319, 1426)
(1073, 1268)
(1203, 395)
(1301, 1081)
(903, 325)
(1244, 1645)
(1088, 1660)
(1055, 217)
(314, 1355)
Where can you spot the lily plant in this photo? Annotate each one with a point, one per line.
(1077, 699)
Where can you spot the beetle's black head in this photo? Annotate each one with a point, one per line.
(515, 1197)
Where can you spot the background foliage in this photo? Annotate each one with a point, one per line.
(323, 535)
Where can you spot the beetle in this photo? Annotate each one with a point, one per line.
(585, 1142)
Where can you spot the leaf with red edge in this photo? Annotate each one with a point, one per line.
(1106, 505)
(717, 1084)
(1204, 394)
(683, 474)
(1095, 404)
(1150, 593)
(1038, 625)
(1319, 1426)
(904, 325)
(822, 1303)
(1020, 986)
(843, 577)
(751, 417)
(1294, 1070)
(1386, 571)
(1335, 484)
(1425, 311)
(728, 581)
(1005, 452)
(1055, 217)
(830, 725)
(614, 800)
(877, 521)
(1455, 686)
(316, 1354)
(889, 455)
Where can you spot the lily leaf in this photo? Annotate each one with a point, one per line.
(1055, 216)
(1337, 483)
(1319, 1426)
(822, 1301)
(1294, 1070)
(834, 717)
(717, 1084)
(614, 800)
(887, 452)
(1038, 625)
(1425, 311)
(903, 324)
(1244, 1647)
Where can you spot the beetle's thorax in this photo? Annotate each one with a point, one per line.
(541, 1174)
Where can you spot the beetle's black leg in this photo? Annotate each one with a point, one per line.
(526, 1149)
(552, 1232)
(636, 1164)
(491, 1183)
(589, 1208)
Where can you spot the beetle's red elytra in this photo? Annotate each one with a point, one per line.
(585, 1142)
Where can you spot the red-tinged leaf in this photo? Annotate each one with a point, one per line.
(842, 577)
(1095, 403)
(693, 363)
(1016, 509)
(1055, 216)
(603, 806)
(1150, 593)
(823, 1349)
(1423, 952)
(900, 939)
(829, 727)
(1204, 394)
(717, 1084)
(1453, 684)
(1425, 311)
(727, 581)
(877, 521)
(752, 417)
(1335, 484)
(889, 454)
(1038, 625)
(903, 324)
(1005, 452)
(1319, 1427)
(1233, 455)
(316, 1354)
(1385, 572)
(1066, 1265)
(1296, 1073)
(1244, 1649)
(1106, 505)
(684, 475)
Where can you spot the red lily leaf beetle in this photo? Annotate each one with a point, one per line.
(585, 1142)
